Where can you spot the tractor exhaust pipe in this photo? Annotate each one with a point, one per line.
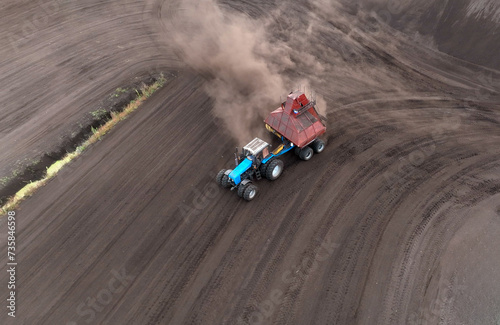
(236, 160)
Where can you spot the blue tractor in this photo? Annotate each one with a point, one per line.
(297, 124)
(254, 162)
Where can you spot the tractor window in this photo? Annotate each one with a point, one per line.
(265, 152)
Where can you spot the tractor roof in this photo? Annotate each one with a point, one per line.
(256, 146)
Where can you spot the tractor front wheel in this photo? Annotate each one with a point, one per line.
(250, 192)
(225, 179)
(241, 189)
(219, 176)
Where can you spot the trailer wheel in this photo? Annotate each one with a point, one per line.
(219, 176)
(250, 192)
(274, 170)
(241, 189)
(318, 146)
(306, 153)
(225, 179)
(296, 151)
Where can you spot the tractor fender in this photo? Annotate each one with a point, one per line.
(245, 182)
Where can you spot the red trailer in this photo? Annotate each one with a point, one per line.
(298, 121)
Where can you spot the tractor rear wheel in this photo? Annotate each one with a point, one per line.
(250, 192)
(306, 153)
(318, 146)
(219, 176)
(274, 170)
(225, 179)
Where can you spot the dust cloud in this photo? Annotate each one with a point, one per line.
(252, 60)
(231, 50)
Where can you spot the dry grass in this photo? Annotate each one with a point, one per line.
(52, 171)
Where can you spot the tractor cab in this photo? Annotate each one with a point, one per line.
(248, 162)
(257, 148)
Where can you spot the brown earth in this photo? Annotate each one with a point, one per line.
(397, 222)
(468, 29)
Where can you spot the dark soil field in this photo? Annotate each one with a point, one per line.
(396, 222)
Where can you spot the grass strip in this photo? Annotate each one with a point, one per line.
(97, 134)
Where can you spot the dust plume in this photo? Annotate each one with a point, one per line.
(230, 50)
(252, 62)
